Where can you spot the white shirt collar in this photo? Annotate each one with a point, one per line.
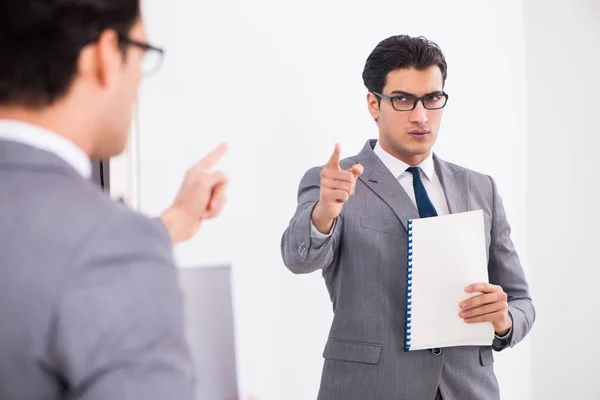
(43, 139)
(398, 167)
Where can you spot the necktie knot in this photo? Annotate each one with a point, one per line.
(424, 204)
(415, 171)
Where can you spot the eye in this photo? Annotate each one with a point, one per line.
(403, 99)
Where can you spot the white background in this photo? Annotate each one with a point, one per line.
(281, 83)
(563, 92)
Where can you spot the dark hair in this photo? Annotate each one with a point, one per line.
(40, 42)
(401, 51)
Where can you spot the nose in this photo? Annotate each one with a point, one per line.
(419, 114)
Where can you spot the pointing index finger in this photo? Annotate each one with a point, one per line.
(211, 159)
(334, 161)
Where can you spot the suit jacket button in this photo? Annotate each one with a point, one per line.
(437, 351)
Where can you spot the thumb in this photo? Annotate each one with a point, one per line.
(216, 178)
(334, 160)
(357, 170)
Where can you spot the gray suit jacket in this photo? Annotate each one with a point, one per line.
(364, 266)
(90, 307)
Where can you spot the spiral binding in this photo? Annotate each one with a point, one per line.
(409, 285)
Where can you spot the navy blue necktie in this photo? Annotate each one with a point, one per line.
(426, 208)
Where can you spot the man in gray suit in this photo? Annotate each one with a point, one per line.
(351, 224)
(90, 307)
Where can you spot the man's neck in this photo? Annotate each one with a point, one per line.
(51, 119)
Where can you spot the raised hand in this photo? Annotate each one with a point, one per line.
(337, 186)
(202, 196)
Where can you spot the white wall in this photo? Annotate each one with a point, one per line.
(124, 169)
(281, 83)
(563, 84)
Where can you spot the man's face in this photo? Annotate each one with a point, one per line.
(120, 96)
(408, 135)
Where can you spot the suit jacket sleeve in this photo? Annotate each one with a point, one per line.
(297, 250)
(505, 270)
(118, 329)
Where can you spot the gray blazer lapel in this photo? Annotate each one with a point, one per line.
(456, 185)
(381, 181)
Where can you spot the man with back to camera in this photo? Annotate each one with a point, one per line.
(350, 223)
(90, 307)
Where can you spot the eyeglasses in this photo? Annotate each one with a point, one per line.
(408, 102)
(153, 56)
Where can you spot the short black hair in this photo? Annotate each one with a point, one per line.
(40, 43)
(398, 52)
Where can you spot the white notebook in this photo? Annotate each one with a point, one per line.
(445, 255)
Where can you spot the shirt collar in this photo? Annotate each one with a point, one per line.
(398, 167)
(43, 139)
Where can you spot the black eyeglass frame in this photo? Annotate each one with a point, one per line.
(141, 45)
(417, 100)
(146, 47)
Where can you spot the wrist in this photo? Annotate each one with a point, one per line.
(505, 327)
(178, 224)
(323, 223)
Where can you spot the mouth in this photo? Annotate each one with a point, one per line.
(418, 133)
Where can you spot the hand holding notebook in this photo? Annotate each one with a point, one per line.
(490, 306)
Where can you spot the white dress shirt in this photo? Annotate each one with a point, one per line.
(43, 139)
(430, 179)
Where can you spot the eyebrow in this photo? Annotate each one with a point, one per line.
(396, 92)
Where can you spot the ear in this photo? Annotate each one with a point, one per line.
(102, 60)
(373, 104)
